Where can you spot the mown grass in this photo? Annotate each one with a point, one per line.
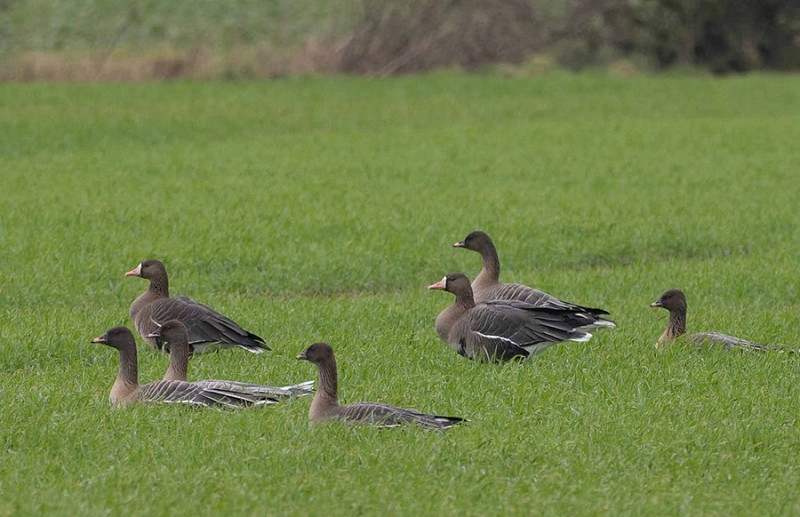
(319, 209)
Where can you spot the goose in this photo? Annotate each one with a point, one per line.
(174, 337)
(208, 329)
(325, 405)
(674, 301)
(487, 286)
(502, 330)
(126, 389)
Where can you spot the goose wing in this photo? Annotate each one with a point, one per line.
(205, 325)
(730, 342)
(504, 329)
(278, 392)
(539, 299)
(384, 415)
(198, 395)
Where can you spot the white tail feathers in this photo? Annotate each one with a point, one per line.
(584, 337)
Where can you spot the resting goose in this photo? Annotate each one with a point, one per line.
(675, 302)
(208, 329)
(325, 406)
(501, 330)
(173, 336)
(126, 389)
(487, 286)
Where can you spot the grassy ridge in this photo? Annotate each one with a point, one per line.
(320, 209)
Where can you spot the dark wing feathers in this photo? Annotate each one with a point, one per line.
(525, 324)
(385, 415)
(204, 324)
(519, 292)
(504, 329)
(538, 298)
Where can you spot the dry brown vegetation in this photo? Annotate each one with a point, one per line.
(195, 63)
(385, 37)
(429, 34)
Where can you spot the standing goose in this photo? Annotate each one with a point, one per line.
(675, 302)
(126, 389)
(325, 406)
(487, 286)
(501, 330)
(208, 329)
(174, 337)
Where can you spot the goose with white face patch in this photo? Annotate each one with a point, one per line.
(487, 285)
(208, 329)
(502, 330)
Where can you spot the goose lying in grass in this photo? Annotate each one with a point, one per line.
(675, 302)
(487, 286)
(126, 389)
(208, 329)
(173, 336)
(501, 330)
(325, 406)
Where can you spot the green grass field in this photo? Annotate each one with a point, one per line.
(320, 209)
